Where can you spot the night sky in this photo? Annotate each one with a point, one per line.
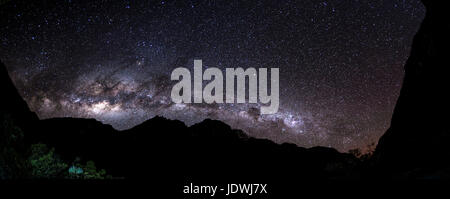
(341, 62)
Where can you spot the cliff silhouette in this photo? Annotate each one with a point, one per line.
(417, 144)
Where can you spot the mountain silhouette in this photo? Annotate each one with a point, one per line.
(417, 144)
(173, 150)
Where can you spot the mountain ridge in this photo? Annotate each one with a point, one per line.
(163, 143)
(414, 147)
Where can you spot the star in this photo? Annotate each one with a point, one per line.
(341, 62)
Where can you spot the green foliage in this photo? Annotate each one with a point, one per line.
(44, 163)
(37, 161)
(90, 171)
(87, 171)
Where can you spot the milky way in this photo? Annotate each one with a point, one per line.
(341, 62)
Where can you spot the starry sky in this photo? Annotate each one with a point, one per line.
(341, 62)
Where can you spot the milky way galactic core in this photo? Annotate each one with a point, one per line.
(340, 62)
(246, 91)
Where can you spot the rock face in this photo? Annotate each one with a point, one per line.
(418, 140)
(11, 102)
(15, 118)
